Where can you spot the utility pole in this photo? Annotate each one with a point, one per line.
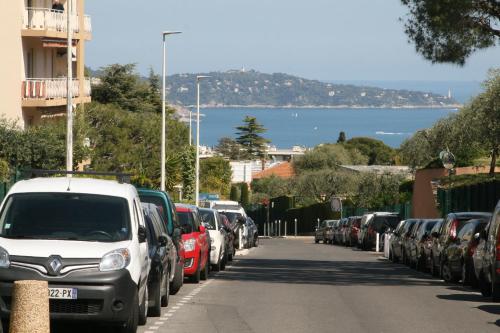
(69, 89)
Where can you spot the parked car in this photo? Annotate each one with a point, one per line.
(162, 257)
(452, 225)
(229, 241)
(399, 236)
(457, 256)
(233, 222)
(332, 229)
(431, 247)
(218, 254)
(487, 258)
(354, 226)
(374, 223)
(321, 231)
(87, 239)
(408, 241)
(339, 231)
(196, 243)
(252, 233)
(417, 242)
(167, 211)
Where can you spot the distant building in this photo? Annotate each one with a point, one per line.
(34, 60)
(242, 172)
(284, 155)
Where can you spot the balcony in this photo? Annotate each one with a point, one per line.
(44, 22)
(52, 92)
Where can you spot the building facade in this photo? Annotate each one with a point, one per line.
(34, 59)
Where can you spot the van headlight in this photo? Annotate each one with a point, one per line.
(115, 260)
(4, 258)
(189, 244)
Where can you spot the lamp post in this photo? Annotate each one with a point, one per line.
(163, 114)
(197, 185)
(69, 92)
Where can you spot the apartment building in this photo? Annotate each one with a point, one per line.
(33, 59)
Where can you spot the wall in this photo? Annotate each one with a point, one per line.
(424, 200)
(11, 60)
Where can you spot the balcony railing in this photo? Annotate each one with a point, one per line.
(47, 89)
(52, 20)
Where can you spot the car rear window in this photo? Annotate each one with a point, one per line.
(186, 219)
(66, 216)
(208, 216)
(384, 222)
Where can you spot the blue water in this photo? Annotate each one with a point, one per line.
(310, 127)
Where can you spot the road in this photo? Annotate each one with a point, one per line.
(294, 285)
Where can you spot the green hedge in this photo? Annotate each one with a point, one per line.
(482, 197)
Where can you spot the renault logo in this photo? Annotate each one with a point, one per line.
(55, 265)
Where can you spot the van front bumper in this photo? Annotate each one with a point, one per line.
(101, 296)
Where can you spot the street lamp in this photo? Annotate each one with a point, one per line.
(69, 91)
(163, 115)
(197, 186)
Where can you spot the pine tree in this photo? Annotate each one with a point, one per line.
(234, 194)
(253, 144)
(245, 194)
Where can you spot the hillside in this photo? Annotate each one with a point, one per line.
(252, 88)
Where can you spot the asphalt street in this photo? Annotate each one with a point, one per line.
(294, 285)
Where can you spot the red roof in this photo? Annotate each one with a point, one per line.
(282, 170)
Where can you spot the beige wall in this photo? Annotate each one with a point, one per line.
(12, 63)
(423, 203)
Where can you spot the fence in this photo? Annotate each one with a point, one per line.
(482, 197)
(283, 209)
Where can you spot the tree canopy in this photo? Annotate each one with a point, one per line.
(377, 151)
(250, 139)
(449, 31)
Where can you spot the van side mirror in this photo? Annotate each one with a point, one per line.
(141, 234)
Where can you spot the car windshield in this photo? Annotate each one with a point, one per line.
(208, 217)
(65, 216)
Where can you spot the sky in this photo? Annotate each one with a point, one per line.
(328, 40)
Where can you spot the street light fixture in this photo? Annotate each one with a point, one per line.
(197, 185)
(163, 114)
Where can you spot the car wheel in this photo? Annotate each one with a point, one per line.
(495, 290)
(133, 320)
(178, 280)
(447, 273)
(484, 286)
(155, 310)
(316, 240)
(434, 271)
(230, 256)
(196, 277)
(256, 241)
(143, 309)
(216, 267)
(166, 298)
(206, 270)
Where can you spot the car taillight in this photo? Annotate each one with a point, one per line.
(472, 248)
(453, 229)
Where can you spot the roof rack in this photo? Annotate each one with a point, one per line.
(120, 177)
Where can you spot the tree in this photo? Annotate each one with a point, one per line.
(250, 139)
(121, 85)
(272, 187)
(245, 194)
(229, 148)
(215, 175)
(342, 137)
(377, 191)
(377, 151)
(485, 108)
(234, 195)
(328, 156)
(321, 185)
(188, 160)
(449, 31)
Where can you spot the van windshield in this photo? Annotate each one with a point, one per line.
(65, 216)
(208, 216)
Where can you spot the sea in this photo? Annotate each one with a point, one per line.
(309, 127)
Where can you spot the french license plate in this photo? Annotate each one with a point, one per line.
(63, 293)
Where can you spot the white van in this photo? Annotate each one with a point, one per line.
(87, 238)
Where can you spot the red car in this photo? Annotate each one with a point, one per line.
(196, 244)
